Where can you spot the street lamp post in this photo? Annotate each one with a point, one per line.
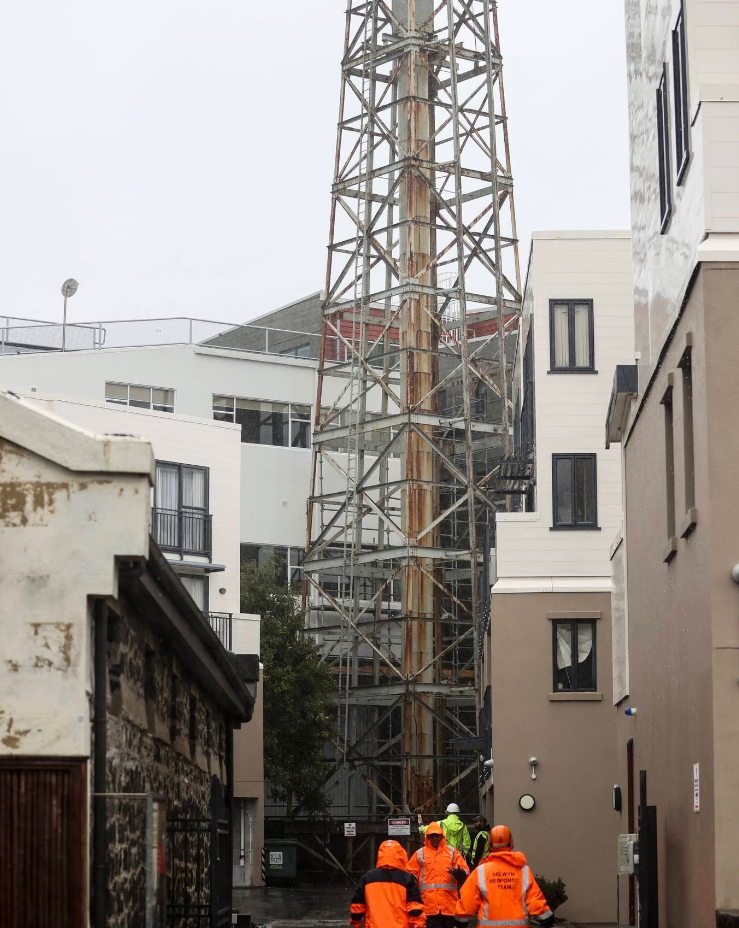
(69, 288)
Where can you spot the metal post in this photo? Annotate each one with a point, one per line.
(64, 325)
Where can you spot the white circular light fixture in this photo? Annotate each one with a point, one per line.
(527, 802)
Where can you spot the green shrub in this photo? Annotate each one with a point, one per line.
(555, 891)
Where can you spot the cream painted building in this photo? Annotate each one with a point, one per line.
(195, 519)
(547, 655)
(117, 699)
(674, 417)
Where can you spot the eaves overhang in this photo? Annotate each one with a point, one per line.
(625, 388)
(152, 585)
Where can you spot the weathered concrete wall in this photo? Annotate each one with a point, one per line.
(59, 534)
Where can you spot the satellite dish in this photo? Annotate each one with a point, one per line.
(69, 287)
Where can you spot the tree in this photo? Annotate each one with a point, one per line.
(297, 688)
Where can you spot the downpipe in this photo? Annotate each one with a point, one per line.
(100, 755)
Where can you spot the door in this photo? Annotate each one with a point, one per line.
(43, 828)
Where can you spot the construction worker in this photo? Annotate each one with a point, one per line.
(480, 843)
(439, 869)
(455, 830)
(502, 891)
(388, 896)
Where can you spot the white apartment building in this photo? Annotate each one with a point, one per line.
(269, 396)
(547, 655)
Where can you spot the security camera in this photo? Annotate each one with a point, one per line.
(735, 573)
(488, 763)
(533, 761)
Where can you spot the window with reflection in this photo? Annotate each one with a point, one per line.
(574, 656)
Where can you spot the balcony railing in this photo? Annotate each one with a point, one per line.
(222, 625)
(184, 531)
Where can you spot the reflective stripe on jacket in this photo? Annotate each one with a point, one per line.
(432, 868)
(502, 893)
(388, 897)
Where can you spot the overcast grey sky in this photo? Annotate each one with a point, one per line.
(176, 156)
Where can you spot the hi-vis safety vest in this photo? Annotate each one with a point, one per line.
(502, 893)
(432, 870)
(451, 884)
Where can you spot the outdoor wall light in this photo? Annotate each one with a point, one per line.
(527, 802)
(735, 573)
(534, 763)
(222, 589)
(630, 712)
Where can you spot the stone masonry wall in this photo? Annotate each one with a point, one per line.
(164, 735)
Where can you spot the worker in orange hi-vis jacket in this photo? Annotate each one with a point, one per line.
(502, 891)
(388, 896)
(439, 869)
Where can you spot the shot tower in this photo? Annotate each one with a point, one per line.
(413, 412)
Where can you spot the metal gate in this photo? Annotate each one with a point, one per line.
(43, 819)
(199, 865)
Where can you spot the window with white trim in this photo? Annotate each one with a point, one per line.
(282, 425)
(139, 396)
(287, 561)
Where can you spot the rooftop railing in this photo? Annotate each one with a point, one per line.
(30, 336)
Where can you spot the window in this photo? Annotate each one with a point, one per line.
(680, 81)
(299, 351)
(181, 521)
(663, 149)
(572, 343)
(130, 394)
(197, 587)
(574, 656)
(669, 469)
(574, 491)
(287, 560)
(283, 425)
(686, 367)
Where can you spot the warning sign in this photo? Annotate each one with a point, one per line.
(350, 829)
(275, 859)
(398, 827)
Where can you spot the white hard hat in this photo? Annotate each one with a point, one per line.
(453, 808)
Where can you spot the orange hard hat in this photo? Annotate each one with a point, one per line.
(500, 838)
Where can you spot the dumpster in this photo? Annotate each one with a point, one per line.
(280, 862)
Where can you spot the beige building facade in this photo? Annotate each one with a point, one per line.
(547, 656)
(678, 607)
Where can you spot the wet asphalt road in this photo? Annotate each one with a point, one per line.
(321, 906)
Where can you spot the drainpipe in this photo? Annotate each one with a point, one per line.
(100, 877)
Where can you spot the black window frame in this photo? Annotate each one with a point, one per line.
(681, 96)
(297, 423)
(572, 368)
(181, 510)
(574, 623)
(574, 525)
(663, 152)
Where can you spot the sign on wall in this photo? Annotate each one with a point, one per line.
(350, 829)
(398, 827)
(696, 787)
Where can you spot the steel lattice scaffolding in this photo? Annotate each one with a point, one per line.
(413, 415)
